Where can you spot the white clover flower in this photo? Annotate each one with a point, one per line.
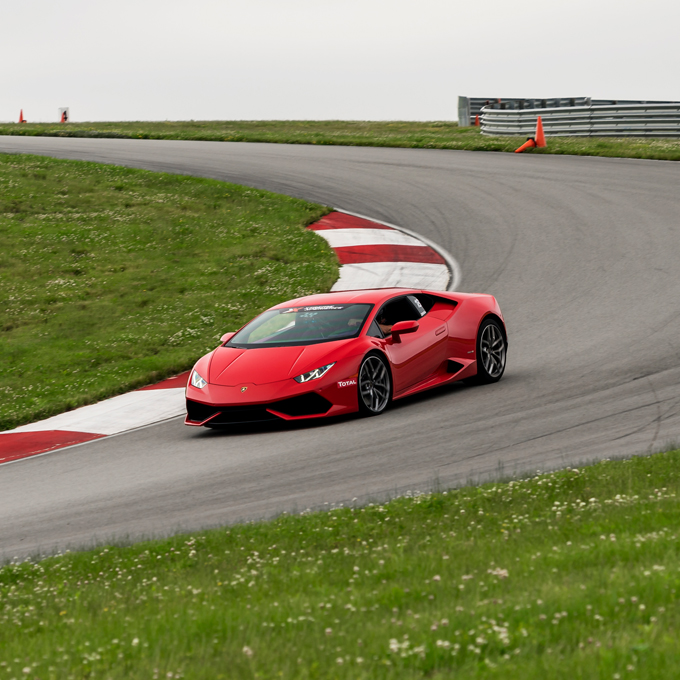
(500, 573)
(247, 651)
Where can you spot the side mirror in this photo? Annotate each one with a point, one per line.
(402, 327)
(227, 336)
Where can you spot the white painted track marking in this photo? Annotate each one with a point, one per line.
(392, 274)
(344, 238)
(115, 415)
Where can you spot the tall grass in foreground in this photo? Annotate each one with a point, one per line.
(112, 278)
(406, 134)
(573, 574)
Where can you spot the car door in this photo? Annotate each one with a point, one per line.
(416, 356)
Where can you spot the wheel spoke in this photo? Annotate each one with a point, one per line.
(492, 347)
(374, 384)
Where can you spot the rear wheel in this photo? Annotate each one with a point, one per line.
(374, 385)
(491, 353)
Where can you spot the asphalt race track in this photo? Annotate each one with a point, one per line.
(582, 254)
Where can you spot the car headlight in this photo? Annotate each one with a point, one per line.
(315, 374)
(197, 381)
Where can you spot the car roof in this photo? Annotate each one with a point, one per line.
(374, 296)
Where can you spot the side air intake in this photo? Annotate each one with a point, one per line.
(453, 366)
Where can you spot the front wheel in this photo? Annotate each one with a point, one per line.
(374, 385)
(491, 353)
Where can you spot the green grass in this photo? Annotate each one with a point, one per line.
(420, 135)
(573, 574)
(112, 278)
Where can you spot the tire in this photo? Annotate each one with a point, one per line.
(374, 385)
(492, 352)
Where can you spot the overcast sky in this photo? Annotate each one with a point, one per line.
(325, 59)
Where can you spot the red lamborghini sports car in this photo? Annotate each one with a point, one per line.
(327, 355)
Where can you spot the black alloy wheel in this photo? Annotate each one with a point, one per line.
(374, 385)
(492, 352)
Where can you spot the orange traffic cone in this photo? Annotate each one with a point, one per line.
(529, 144)
(540, 137)
(537, 141)
(477, 120)
(21, 116)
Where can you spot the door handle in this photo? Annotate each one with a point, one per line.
(441, 330)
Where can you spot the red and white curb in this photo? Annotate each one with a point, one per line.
(119, 414)
(374, 254)
(371, 254)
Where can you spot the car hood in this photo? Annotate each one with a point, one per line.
(232, 366)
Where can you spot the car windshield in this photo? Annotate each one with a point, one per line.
(304, 325)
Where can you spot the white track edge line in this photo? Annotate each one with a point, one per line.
(455, 272)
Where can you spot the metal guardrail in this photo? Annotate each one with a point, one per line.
(611, 120)
(470, 107)
(572, 116)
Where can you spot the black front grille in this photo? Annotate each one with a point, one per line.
(310, 404)
(228, 415)
(237, 415)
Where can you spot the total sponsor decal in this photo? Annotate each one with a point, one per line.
(347, 383)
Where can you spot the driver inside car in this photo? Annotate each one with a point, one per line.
(307, 326)
(385, 327)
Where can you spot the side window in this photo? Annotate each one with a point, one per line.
(401, 309)
(374, 330)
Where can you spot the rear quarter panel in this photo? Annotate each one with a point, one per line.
(466, 319)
